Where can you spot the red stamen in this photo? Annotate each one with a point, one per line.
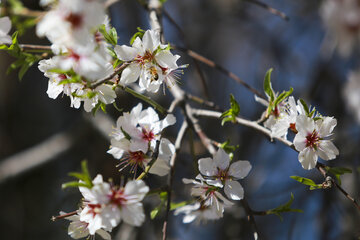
(76, 20)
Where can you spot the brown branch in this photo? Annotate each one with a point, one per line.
(117, 71)
(178, 141)
(270, 9)
(212, 64)
(254, 125)
(65, 215)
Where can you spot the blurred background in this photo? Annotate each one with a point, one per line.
(244, 38)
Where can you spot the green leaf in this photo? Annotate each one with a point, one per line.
(282, 96)
(110, 36)
(140, 33)
(338, 171)
(306, 108)
(84, 177)
(73, 184)
(232, 113)
(163, 1)
(174, 206)
(307, 181)
(154, 213)
(284, 208)
(267, 85)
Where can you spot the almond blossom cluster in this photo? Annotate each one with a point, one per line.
(342, 19)
(136, 134)
(81, 54)
(105, 205)
(313, 131)
(215, 174)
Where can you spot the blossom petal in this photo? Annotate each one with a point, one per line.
(308, 158)
(234, 190)
(104, 234)
(299, 142)
(166, 59)
(207, 167)
(125, 53)
(240, 169)
(327, 150)
(161, 166)
(304, 124)
(136, 187)
(327, 126)
(222, 159)
(130, 74)
(133, 214)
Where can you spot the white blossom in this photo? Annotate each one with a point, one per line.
(72, 23)
(217, 172)
(149, 61)
(312, 140)
(5, 26)
(105, 205)
(198, 211)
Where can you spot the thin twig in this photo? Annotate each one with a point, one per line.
(65, 215)
(270, 9)
(116, 72)
(178, 141)
(250, 216)
(254, 125)
(203, 102)
(212, 64)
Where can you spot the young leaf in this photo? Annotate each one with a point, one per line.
(110, 36)
(284, 208)
(307, 181)
(232, 113)
(338, 171)
(267, 85)
(282, 96)
(140, 33)
(84, 178)
(306, 108)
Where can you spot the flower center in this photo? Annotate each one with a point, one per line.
(312, 139)
(222, 175)
(147, 135)
(94, 209)
(136, 157)
(293, 128)
(75, 19)
(118, 197)
(148, 57)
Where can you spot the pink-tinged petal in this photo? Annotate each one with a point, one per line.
(327, 126)
(133, 214)
(222, 159)
(299, 142)
(239, 169)
(234, 190)
(136, 187)
(304, 125)
(130, 74)
(125, 53)
(327, 150)
(308, 158)
(207, 167)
